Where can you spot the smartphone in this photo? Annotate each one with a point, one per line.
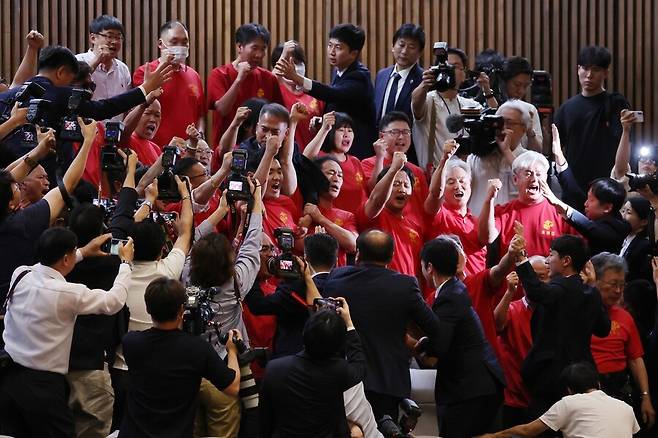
(112, 246)
(639, 116)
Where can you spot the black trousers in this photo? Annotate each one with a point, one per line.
(513, 416)
(469, 418)
(34, 404)
(383, 404)
(120, 384)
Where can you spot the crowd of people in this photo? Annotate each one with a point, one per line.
(281, 275)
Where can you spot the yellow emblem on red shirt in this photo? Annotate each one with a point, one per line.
(547, 228)
(358, 177)
(313, 105)
(194, 90)
(614, 327)
(260, 92)
(548, 224)
(283, 217)
(413, 235)
(338, 221)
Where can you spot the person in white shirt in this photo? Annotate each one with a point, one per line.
(587, 412)
(432, 108)
(497, 164)
(111, 76)
(41, 311)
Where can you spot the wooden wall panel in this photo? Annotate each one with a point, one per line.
(548, 32)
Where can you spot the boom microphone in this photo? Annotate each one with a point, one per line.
(455, 123)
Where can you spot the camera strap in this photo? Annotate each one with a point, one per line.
(432, 136)
(11, 292)
(236, 290)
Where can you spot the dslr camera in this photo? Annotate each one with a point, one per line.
(284, 265)
(636, 182)
(483, 128)
(110, 159)
(69, 129)
(36, 111)
(444, 73)
(25, 93)
(167, 187)
(238, 186)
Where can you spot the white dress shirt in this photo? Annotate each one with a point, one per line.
(42, 312)
(403, 77)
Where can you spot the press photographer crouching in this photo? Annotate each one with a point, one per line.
(166, 366)
(41, 314)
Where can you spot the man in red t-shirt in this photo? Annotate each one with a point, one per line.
(395, 135)
(384, 210)
(182, 100)
(541, 221)
(231, 84)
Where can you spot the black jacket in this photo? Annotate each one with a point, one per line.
(638, 260)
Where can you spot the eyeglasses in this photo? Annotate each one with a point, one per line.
(111, 37)
(398, 132)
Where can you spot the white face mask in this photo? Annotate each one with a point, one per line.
(300, 69)
(180, 53)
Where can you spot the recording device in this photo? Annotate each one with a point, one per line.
(69, 128)
(111, 161)
(108, 205)
(541, 94)
(25, 93)
(639, 116)
(238, 185)
(444, 73)
(198, 314)
(331, 304)
(284, 265)
(111, 247)
(636, 181)
(36, 111)
(167, 187)
(407, 423)
(483, 128)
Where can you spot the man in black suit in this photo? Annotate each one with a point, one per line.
(351, 90)
(469, 380)
(383, 302)
(302, 395)
(568, 313)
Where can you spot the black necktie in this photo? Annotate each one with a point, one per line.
(390, 103)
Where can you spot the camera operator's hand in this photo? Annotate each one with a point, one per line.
(380, 147)
(298, 112)
(319, 229)
(484, 83)
(230, 346)
(151, 191)
(556, 146)
(155, 80)
(35, 40)
(241, 114)
(182, 184)
(428, 80)
(399, 160)
(129, 160)
(89, 130)
(93, 248)
(46, 143)
(493, 187)
(127, 251)
(19, 115)
(344, 312)
(507, 142)
(627, 119)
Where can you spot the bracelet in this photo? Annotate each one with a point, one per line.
(187, 197)
(148, 204)
(489, 96)
(644, 394)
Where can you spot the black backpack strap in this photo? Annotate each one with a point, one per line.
(11, 291)
(236, 290)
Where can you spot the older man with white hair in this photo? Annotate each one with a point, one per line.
(497, 164)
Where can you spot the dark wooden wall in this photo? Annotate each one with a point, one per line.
(548, 32)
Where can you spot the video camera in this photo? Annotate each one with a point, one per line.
(25, 93)
(636, 182)
(444, 73)
(110, 159)
(483, 128)
(199, 314)
(541, 94)
(36, 111)
(238, 185)
(407, 423)
(108, 205)
(284, 265)
(167, 187)
(69, 127)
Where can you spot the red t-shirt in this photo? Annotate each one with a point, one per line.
(279, 212)
(260, 328)
(147, 151)
(353, 192)
(542, 223)
(449, 221)
(92, 172)
(483, 295)
(182, 101)
(259, 83)
(416, 206)
(343, 219)
(407, 234)
(315, 108)
(612, 353)
(514, 343)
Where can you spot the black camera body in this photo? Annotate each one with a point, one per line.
(406, 424)
(483, 128)
(541, 91)
(69, 129)
(328, 303)
(238, 185)
(444, 73)
(285, 265)
(198, 314)
(167, 187)
(636, 182)
(25, 93)
(36, 111)
(110, 159)
(108, 205)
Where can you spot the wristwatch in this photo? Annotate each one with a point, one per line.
(149, 204)
(489, 96)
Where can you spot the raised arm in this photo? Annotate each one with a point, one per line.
(271, 149)
(623, 156)
(312, 149)
(204, 192)
(28, 66)
(131, 120)
(298, 113)
(419, 95)
(380, 154)
(383, 189)
(185, 222)
(502, 309)
(149, 176)
(437, 183)
(487, 231)
(22, 167)
(346, 238)
(230, 136)
(15, 121)
(225, 103)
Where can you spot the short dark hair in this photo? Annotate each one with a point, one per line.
(405, 169)
(443, 254)
(595, 55)
(84, 71)
(149, 238)
(393, 116)
(514, 66)
(321, 250)
(347, 33)
(489, 58)
(323, 183)
(54, 57)
(298, 54)
(580, 377)
(609, 191)
(574, 247)
(375, 246)
(86, 221)
(251, 31)
(163, 298)
(53, 244)
(642, 208)
(183, 165)
(212, 261)
(255, 104)
(6, 192)
(324, 334)
(170, 25)
(103, 22)
(410, 30)
(277, 110)
(459, 52)
(342, 120)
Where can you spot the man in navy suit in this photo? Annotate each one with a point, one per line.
(469, 380)
(351, 90)
(382, 304)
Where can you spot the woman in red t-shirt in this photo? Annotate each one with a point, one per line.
(335, 139)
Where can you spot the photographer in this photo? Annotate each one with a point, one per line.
(20, 228)
(166, 366)
(39, 328)
(302, 395)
